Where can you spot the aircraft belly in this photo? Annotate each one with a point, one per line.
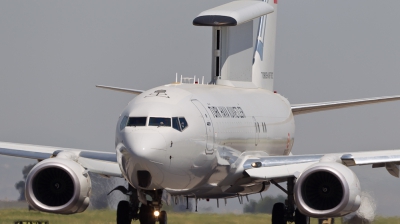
(212, 191)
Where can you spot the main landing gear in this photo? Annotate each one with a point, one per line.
(147, 213)
(283, 213)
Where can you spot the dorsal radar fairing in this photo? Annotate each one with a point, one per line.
(235, 60)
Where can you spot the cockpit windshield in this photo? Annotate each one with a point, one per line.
(177, 123)
(137, 121)
(160, 121)
(123, 123)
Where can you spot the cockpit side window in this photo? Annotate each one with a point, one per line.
(175, 124)
(160, 121)
(183, 123)
(123, 123)
(179, 123)
(137, 121)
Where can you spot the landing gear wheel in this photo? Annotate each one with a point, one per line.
(123, 213)
(299, 218)
(278, 214)
(146, 215)
(162, 219)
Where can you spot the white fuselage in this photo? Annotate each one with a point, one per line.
(221, 124)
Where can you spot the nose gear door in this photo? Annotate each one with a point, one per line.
(209, 126)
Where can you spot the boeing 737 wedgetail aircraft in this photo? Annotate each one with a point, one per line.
(228, 138)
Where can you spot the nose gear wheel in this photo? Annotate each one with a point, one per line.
(134, 210)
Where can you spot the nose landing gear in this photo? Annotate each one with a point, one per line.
(147, 212)
(149, 215)
(151, 212)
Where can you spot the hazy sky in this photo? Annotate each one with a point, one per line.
(53, 53)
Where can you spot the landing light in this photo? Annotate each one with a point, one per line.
(156, 213)
(256, 164)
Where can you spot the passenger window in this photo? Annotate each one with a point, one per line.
(123, 123)
(175, 124)
(160, 121)
(183, 123)
(137, 121)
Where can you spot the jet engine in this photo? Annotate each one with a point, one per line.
(327, 189)
(58, 185)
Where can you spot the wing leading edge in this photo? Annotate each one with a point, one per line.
(104, 163)
(273, 167)
(315, 107)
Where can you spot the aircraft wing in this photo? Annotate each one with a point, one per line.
(104, 163)
(315, 107)
(271, 167)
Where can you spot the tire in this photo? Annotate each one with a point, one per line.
(299, 218)
(146, 215)
(123, 213)
(278, 214)
(162, 219)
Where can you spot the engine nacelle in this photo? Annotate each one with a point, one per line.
(58, 186)
(327, 189)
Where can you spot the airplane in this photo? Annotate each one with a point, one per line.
(228, 138)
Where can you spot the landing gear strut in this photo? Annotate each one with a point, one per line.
(147, 212)
(282, 213)
(150, 213)
(127, 210)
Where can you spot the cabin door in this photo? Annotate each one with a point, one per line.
(209, 126)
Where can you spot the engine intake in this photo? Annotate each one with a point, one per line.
(53, 187)
(327, 190)
(322, 190)
(58, 186)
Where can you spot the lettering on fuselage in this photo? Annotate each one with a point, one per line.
(267, 75)
(227, 112)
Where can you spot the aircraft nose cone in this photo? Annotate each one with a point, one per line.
(146, 145)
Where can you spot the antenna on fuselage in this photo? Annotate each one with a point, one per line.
(196, 202)
(187, 80)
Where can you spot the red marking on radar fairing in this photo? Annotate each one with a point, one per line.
(276, 1)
